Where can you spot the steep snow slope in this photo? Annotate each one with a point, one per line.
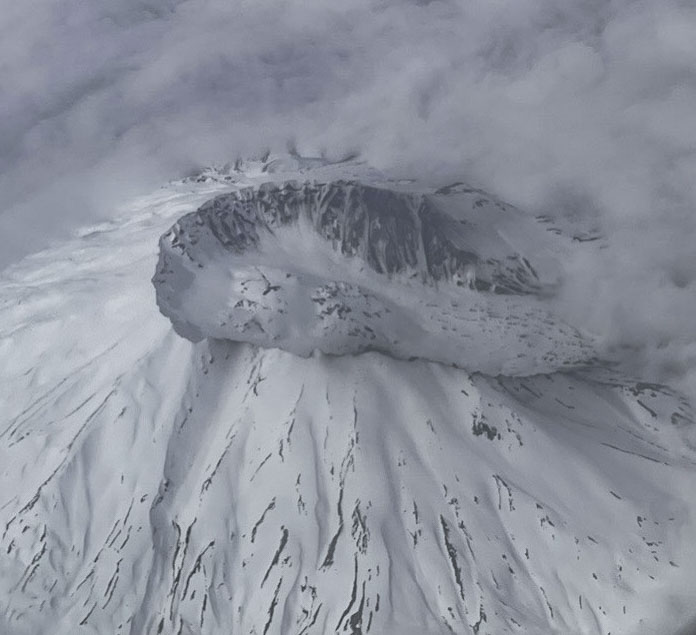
(152, 485)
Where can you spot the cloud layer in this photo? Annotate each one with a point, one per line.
(569, 108)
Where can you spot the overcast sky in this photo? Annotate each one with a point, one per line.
(584, 106)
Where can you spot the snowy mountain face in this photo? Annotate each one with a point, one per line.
(374, 423)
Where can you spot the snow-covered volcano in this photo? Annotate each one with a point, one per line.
(152, 484)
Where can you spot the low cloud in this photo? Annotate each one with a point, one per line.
(564, 108)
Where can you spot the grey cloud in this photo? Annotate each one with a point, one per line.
(583, 107)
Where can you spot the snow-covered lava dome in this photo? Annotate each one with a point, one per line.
(344, 267)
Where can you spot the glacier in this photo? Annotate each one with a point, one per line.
(475, 467)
